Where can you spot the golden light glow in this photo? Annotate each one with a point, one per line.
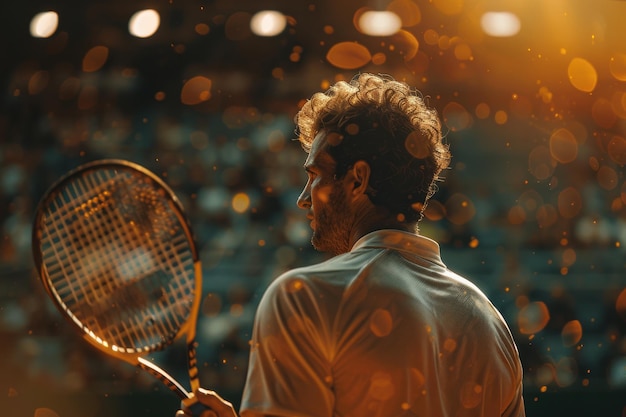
(500, 24)
(268, 23)
(379, 23)
(44, 25)
(144, 23)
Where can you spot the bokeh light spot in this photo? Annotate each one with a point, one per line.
(459, 209)
(463, 52)
(482, 110)
(202, 29)
(44, 24)
(268, 23)
(295, 285)
(568, 257)
(617, 66)
(196, 90)
(435, 211)
(379, 58)
(456, 117)
(449, 345)
(431, 37)
(546, 216)
(572, 333)
(582, 75)
(381, 322)
(563, 146)
(38, 82)
(545, 94)
(540, 162)
(607, 177)
(144, 23)
(212, 305)
(408, 11)
(516, 215)
(501, 117)
(616, 149)
(95, 58)
(240, 202)
(379, 23)
(45, 412)
(381, 386)
(471, 394)
(237, 26)
(618, 103)
(416, 145)
(569, 202)
(603, 114)
(405, 44)
(500, 24)
(533, 317)
(348, 55)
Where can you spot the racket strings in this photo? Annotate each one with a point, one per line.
(119, 260)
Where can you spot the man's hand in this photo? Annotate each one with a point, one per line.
(209, 404)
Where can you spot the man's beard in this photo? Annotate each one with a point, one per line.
(333, 224)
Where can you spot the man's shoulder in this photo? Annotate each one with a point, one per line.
(330, 275)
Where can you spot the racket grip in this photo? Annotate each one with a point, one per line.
(192, 364)
(165, 378)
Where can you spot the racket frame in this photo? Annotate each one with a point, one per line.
(133, 357)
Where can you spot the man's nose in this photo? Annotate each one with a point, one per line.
(304, 200)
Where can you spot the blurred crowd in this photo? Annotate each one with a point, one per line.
(238, 173)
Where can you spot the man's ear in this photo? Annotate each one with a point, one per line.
(360, 176)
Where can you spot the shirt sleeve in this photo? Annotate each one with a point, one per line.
(289, 368)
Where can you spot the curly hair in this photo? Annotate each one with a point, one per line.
(387, 124)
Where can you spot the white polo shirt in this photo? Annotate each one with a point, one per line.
(384, 330)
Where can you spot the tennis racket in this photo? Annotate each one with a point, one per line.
(115, 253)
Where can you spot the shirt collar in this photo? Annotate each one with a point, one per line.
(401, 241)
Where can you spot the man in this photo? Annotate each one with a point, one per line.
(382, 328)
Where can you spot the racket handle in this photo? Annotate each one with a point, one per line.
(165, 378)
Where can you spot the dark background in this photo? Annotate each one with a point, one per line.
(533, 208)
